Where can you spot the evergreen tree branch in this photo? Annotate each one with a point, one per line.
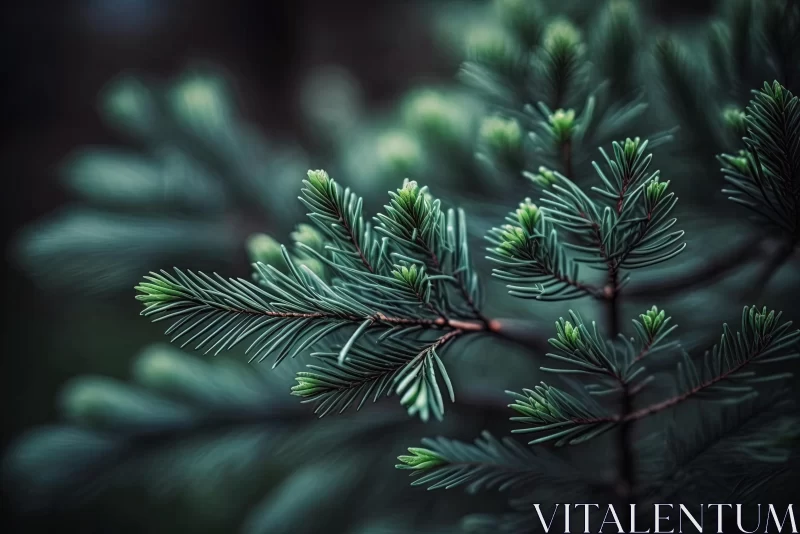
(559, 416)
(735, 433)
(765, 178)
(222, 313)
(292, 308)
(761, 340)
(633, 230)
(407, 368)
(530, 255)
(489, 463)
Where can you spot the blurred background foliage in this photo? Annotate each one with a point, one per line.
(146, 134)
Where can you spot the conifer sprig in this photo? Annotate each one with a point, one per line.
(765, 177)
(559, 416)
(407, 368)
(627, 227)
(410, 293)
(569, 420)
(531, 256)
(337, 213)
(727, 373)
(487, 464)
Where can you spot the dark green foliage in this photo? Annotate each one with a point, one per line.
(765, 177)
(399, 317)
(183, 425)
(382, 290)
(394, 304)
(194, 175)
(685, 86)
(752, 42)
(726, 376)
(726, 368)
(487, 464)
(780, 37)
(737, 434)
(627, 227)
(619, 53)
(559, 415)
(549, 91)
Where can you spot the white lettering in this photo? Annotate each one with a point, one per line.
(566, 519)
(615, 521)
(541, 518)
(698, 526)
(719, 515)
(774, 516)
(739, 519)
(586, 515)
(659, 518)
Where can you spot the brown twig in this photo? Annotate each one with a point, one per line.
(665, 404)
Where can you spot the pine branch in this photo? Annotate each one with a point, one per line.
(588, 353)
(761, 340)
(405, 367)
(738, 435)
(288, 314)
(337, 212)
(292, 308)
(765, 178)
(531, 257)
(489, 463)
(633, 229)
(559, 415)
(396, 307)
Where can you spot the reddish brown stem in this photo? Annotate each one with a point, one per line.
(643, 353)
(670, 402)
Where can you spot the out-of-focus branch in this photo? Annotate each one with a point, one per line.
(523, 333)
(773, 264)
(747, 252)
(140, 441)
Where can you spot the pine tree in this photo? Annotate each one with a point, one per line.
(392, 304)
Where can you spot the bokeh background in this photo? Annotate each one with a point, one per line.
(289, 63)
